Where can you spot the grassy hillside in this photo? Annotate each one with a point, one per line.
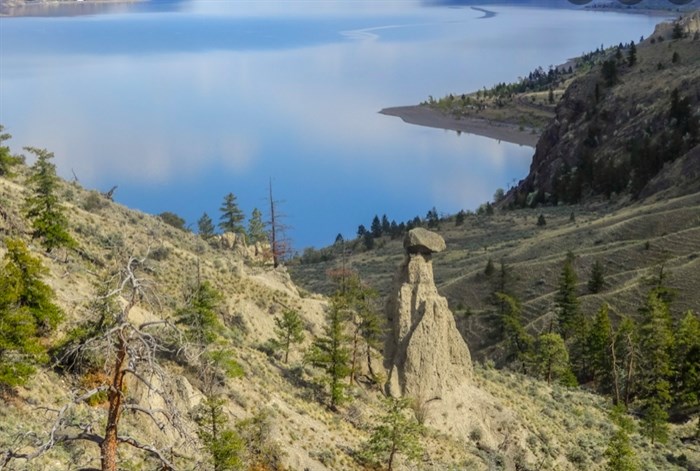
(632, 242)
(567, 428)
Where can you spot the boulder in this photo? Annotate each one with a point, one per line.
(423, 241)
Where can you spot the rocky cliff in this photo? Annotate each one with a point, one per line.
(614, 133)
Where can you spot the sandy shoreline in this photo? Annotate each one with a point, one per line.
(426, 116)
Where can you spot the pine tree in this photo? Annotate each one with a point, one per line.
(386, 225)
(376, 227)
(656, 344)
(678, 32)
(7, 160)
(459, 219)
(224, 444)
(632, 55)
(619, 452)
(433, 219)
(567, 302)
(552, 360)
(256, 228)
(43, 208)
(396, 434)
(200, 313)
(654, 424)
(231, 215)
(205, 227)
(597, 280)
(686, 384)
(489, 269)
(330, 351)
(368, 240)
(600, 344)
(365, 322)
(519, 342)
(289, 330)
(27, 314)
(610, 72)
(626, 360)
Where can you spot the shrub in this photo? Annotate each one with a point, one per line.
(173, 220)
(94, 202)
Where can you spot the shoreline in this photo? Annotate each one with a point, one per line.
(421, 115)
(19, 9)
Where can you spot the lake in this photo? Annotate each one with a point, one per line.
(181, 102)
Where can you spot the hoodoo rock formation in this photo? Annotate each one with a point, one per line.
(429, 362)
(425, 355)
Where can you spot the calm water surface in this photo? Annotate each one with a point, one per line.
(182, 102)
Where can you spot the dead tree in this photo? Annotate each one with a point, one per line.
(110, 194)
(279, 244)
(128, 351)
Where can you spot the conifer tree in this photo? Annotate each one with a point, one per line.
(600, 344)
(289, 330)
(7, 160)
(656, 368)
(620, 454)
(49, 222)
(654, 424)
(223, 444)
(687, 360)
(632, 55)
(200, 313)
(376, 227)
(396, 434)
(597, 280)
(459, 219)
(231, 215)
(27, 314)
(330, 351)
(656, 345)
(433, 219)
(626, 361)
(552, 360)
(519, 342)
(386, 225)
(365, 322)
(489, 269)
(205, 227)
(256, 227)
(567, 302)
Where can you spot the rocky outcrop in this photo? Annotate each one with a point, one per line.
(587, 151)
(425, 354)
(257, 253)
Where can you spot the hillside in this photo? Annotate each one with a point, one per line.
(283, 406)
(624, 125)
(631, 241)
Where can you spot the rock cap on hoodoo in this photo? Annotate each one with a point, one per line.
(421, 240)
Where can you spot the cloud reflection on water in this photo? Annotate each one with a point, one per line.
(179, 109)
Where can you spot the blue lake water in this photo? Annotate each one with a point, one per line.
(181, 102)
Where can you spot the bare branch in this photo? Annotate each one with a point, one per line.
(152, 450)
(151, 413)
(53, 437)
